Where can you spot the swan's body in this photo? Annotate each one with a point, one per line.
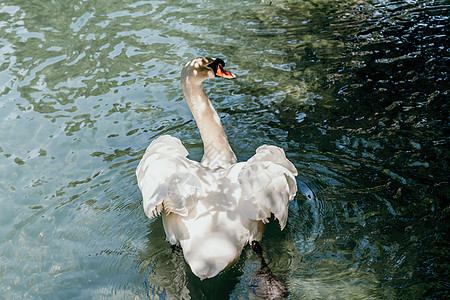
(213, 208)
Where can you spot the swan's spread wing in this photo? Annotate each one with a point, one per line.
(268, 184)
(167, 179)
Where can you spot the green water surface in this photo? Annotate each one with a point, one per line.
(356, 92)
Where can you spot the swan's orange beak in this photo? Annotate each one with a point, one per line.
(221, 72)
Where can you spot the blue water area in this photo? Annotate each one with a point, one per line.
(355, 92)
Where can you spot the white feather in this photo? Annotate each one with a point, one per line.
(213, 213)
(167, 179)
(214, 208)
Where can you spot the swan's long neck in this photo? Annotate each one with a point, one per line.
(217, 150)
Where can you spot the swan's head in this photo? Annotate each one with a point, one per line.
(202, 68)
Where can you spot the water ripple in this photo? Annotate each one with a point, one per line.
(355, 93)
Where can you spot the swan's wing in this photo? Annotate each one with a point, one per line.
(167, 179)
(268, 184)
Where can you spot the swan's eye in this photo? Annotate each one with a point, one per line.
(215, 64)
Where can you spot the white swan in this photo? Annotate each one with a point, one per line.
(213, 208)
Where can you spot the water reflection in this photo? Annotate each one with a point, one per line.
(355, 93)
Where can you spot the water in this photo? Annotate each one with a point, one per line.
(354, 91)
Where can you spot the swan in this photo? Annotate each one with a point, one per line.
(213, 208)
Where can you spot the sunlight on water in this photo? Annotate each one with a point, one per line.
(355, 92)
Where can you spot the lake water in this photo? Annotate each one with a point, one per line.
(356, 92)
